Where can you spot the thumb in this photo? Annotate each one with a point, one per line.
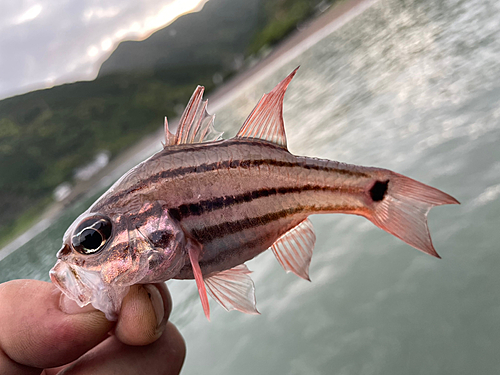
(36, 333)
(144, 314)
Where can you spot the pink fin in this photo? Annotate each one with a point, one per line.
(294, 249)
(196, 124)
(194, 253)
(266, 120)
(233, 289)
(169, 137)
(403, 211)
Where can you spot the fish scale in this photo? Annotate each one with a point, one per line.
(202, 207)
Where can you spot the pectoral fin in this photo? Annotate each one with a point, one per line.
(233, 289)
(294, 249)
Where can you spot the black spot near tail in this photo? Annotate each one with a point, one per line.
(378, 190)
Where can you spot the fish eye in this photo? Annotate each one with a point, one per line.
(91, 235)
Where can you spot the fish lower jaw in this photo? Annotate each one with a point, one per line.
(86, 287)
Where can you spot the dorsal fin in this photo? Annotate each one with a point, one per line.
(266, 120)
(196, 124)
(169, 137)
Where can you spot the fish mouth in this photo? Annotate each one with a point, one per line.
(87, 287)
(68, 281)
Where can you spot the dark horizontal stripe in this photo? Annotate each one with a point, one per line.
(210, 233)
(209, 205)
(226, 164)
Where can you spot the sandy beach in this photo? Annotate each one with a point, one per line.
(299, 41)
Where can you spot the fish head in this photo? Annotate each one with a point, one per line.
(104, 254)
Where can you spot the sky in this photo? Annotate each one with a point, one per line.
(49, 42)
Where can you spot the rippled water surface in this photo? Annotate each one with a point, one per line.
(412, 86)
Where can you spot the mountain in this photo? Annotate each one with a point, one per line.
(217, 36)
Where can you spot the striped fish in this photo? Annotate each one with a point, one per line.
(203, 206)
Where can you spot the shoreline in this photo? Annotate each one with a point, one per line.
(296, 43)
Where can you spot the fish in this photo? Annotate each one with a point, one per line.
(203, 206)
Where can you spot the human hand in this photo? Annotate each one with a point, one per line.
(42, 331)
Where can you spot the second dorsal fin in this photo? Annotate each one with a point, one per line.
(266, 120)
(196, 124)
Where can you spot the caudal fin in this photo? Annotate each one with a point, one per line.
(401, 205)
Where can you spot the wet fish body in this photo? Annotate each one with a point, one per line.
(243, 194)
(200, 210)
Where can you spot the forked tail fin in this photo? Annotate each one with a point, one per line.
(401, 205)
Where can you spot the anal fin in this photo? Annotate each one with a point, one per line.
(294, 249)
(233, 289)
(194, 254)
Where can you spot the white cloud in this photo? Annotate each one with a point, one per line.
(92, 51)
(99, 12)
(29, 15)
(168, 13)
(106, 44)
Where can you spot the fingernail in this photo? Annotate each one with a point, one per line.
(157, 302)
(70, 307)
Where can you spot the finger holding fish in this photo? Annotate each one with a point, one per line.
(165, 356)
(42, 328)
(144, 314)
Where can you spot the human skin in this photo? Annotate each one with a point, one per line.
(43, 332)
